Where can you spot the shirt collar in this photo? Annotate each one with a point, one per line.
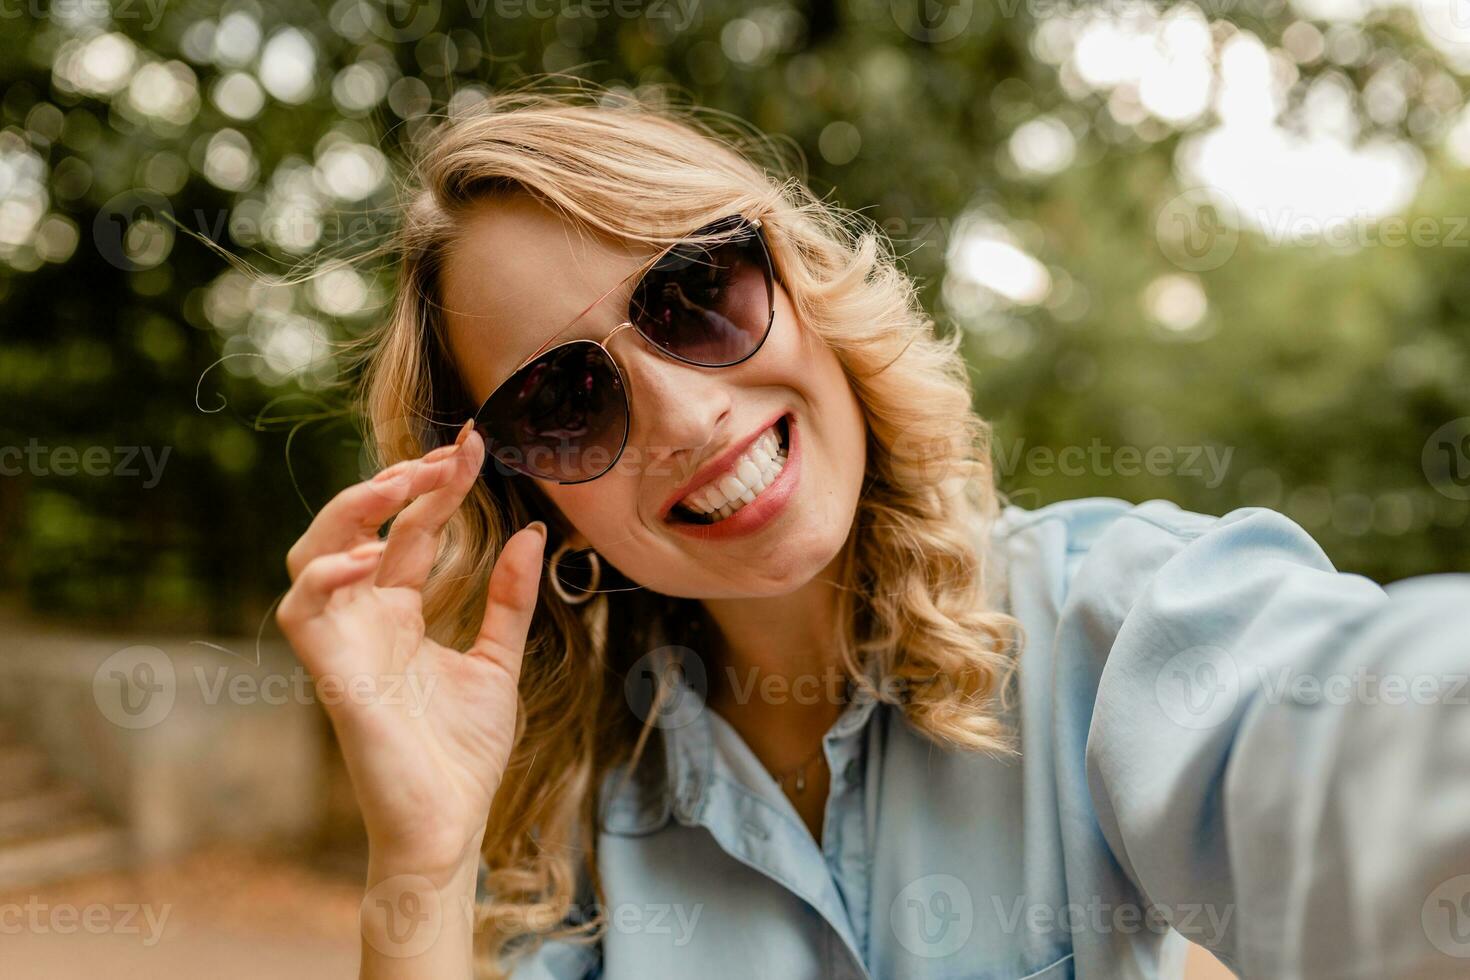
(674, 783)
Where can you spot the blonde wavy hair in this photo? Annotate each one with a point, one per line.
(915, 627)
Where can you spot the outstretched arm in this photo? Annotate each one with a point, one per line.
(1289, 747)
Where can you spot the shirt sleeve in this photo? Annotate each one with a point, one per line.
(1283, 744)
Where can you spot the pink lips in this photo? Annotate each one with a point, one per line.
(713, 468)
(761, 511)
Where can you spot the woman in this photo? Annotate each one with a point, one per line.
(798, 697)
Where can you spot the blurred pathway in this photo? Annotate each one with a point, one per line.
(216, 915)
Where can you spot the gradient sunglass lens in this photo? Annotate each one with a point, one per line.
(708, 303)
(562, 417)
(565, 415)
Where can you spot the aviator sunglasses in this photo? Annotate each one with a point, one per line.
(563, 415)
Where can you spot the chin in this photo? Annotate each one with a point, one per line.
(784, 571)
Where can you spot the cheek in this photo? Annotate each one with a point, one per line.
(595, 508)
(795, 356)
(842, 430)
(605, 513)
(832, 397)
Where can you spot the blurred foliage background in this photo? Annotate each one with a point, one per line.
(1212, 253)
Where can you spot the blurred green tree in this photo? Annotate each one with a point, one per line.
(1068, 183)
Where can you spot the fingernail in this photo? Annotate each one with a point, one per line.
(464, 432)
(443, 452)
(538, 526)
(367, 550)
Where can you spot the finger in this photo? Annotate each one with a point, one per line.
(511, 599)
(413, 540)
(353, 516)
(322, 578)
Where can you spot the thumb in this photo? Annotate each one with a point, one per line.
(510, 599)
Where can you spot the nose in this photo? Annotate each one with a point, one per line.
(678, 409)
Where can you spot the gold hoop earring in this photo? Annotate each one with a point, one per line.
(557, 586)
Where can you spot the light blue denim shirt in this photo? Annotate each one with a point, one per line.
(1218, 731)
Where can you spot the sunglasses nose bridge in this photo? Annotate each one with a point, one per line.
(607, 341)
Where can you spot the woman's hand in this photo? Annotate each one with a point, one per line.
(426, 730)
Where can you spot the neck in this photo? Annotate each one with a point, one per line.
(776, 676)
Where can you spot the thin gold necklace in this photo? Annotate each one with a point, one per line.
(799, 771)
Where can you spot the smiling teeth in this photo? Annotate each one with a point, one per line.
(755, 470)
